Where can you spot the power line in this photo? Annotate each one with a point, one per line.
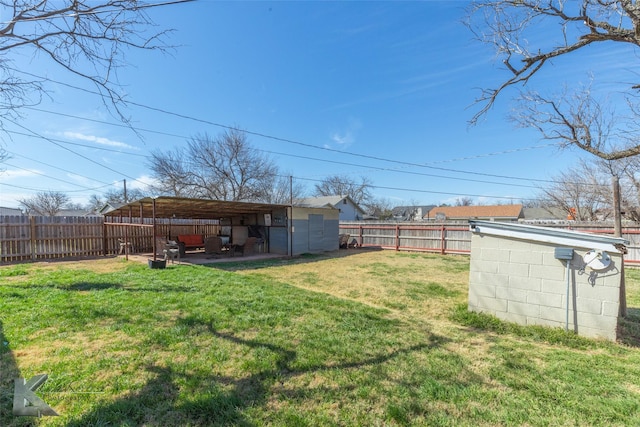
(61, 169)
(51, 177)
(430, 191)
(286, 140)
(77, 154)
(399, 170)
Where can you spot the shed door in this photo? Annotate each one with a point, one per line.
(316, 232)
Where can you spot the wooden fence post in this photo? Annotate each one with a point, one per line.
(32, 237)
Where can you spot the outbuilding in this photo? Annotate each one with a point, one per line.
(535, 275)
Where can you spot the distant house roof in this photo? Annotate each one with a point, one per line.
(327, 201)
(10, 211)
(108, 207)
(500, 212)
(75, 212)
(544, 214)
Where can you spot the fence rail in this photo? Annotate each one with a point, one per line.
(24, 238)
(455, 238)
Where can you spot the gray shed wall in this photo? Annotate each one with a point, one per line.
(521, 281)
(315, 235)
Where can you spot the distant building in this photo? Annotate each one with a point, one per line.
(75, 212)
(10, 211)
(508, 213)
(349, 210)
(551, 215)
(108, 207)
(411, 213)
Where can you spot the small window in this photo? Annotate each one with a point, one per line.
(344, 201)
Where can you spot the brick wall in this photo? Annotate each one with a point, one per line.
(521, 281)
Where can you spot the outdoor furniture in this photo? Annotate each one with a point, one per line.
(247, 248)
(191, 241)
(161, 245)
(171, 251)
(125, 247)
(213, 245)
(344, 241)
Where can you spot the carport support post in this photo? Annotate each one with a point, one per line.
(290, 221)
(153, 210)
(566, 325)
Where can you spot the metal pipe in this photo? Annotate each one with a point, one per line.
(566, 327)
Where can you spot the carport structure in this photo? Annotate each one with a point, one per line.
(286, 230)
(145, 218)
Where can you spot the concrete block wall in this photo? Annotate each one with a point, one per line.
(521, 281)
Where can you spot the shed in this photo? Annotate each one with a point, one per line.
(348, 208)
(534, 275)
(286, 230)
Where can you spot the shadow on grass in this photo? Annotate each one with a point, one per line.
(221, 400)
(629, 328)
(249, 264)
(8, 372)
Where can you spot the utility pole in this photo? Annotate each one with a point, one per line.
(126, 200)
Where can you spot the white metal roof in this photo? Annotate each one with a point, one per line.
(549, 235)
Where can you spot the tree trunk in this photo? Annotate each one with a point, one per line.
(617, 231)
(617, 211)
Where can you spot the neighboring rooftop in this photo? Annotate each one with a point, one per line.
(495, 212)
(10, 211)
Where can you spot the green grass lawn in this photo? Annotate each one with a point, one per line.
(376, 338)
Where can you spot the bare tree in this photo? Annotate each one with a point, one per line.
(223, 168)
(89, 39)
(581, 192)
(513, 28)
(282, 190)
(463, 201)
(343, 185)
(117, 195)
(47, 203)
(381, 208)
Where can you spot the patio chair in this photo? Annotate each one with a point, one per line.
(213, 245)
(248, 247)
(161, 245)
(126, 247)
(172, 251)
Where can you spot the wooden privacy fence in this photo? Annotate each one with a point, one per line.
(24, 238)
(455, 238)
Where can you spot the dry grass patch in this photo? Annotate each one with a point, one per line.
(409, 285)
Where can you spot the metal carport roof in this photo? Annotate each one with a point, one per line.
(185, 208)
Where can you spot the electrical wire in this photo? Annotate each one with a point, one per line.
(77, 154)
(398, 170)
(263, 135)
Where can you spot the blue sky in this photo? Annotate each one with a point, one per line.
(377, 89)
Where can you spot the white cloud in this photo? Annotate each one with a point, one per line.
(19, 173)
(346, 136)
(97, 139)
(142, 182)
(342, 139)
